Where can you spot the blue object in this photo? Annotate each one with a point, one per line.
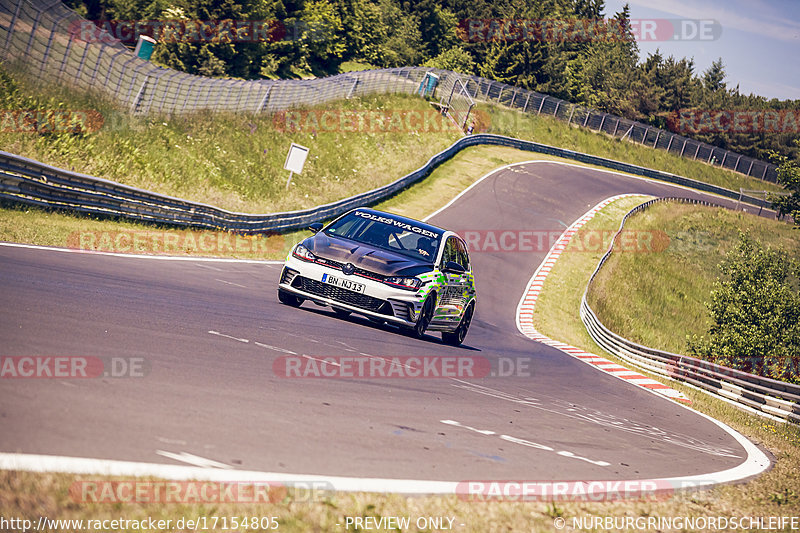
(144, 47)
(428, 84)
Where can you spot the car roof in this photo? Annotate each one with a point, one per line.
(407, 220)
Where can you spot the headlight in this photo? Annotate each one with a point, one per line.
(301, 252)
(411, 284)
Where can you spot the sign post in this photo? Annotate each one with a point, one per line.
(295, 160)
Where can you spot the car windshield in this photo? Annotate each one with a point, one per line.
(418, 241)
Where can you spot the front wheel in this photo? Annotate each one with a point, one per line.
(288, 298)
(424, 319)
(457, 337)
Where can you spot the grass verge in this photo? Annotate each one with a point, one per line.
(649, 297)
(774, 493)
(548, 130)
(31, 225)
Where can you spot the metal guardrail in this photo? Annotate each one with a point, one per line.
(776, 398)
(30, 182)
(41, 34)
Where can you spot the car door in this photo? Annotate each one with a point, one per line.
(457, 286)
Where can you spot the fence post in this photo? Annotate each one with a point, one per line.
(602, 121)
(11, 26)
(124, 69)
(528, 99)
(166, 90)
(572, 111)
(50, 40)
(540, 105)
(67, 51)
(616, 128)
(264, 100)
(750, 168)
(655, 143)
(133, 80)
(137, 99)
(586, 119)
(189, 92)
(36, 27)
(697, 151)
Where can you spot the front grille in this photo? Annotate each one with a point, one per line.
(341, 295)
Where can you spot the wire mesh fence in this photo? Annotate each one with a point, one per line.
(40, 34)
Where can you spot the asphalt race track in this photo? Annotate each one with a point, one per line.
(209, 333)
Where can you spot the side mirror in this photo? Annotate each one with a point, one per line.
(315, 227)
(453, 267)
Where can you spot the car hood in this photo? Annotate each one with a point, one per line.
(365, 256)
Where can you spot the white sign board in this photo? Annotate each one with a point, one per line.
(296, 158)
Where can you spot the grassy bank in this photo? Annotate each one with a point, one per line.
(776, 492)
(658, 299)
(235, 161)
(31, 225)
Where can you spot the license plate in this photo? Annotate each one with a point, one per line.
(344, 283)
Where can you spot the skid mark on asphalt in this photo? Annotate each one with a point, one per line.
(585, 414)
(523, 442)
(193, 460)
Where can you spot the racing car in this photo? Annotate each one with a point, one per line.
(388, 268)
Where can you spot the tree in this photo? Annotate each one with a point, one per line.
(789, 177)
(455, 59)
(755, 310)
(714, 77)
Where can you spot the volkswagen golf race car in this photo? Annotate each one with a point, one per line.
(388, 268)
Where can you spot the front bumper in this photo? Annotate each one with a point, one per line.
(379, 300)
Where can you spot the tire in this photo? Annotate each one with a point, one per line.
(457, 337)
(341, 313)
(425, 316)
(288, 298)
